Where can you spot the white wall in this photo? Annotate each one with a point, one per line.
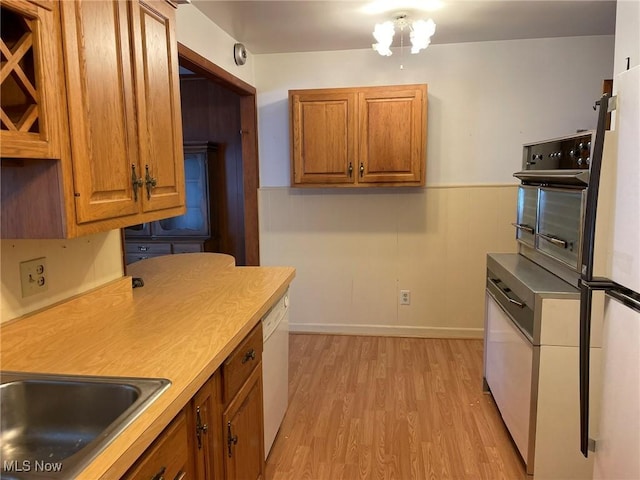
(354, 250)
(627, 35)
(196, 31)
(485, 99)
(73, 267)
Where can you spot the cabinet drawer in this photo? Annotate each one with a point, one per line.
(187, 247)
(167, 457)
(148, 248)
(239, 365)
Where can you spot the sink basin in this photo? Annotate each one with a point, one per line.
(52, 426)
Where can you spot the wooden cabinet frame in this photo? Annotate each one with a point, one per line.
(359, 137)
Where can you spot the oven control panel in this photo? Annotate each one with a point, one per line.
(566, 153)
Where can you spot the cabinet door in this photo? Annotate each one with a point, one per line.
(167, 457)
(323, 137)
(392, 134)
(202, 410)
(158, 102)
(244, 432)
(101, 106)
(32, 95)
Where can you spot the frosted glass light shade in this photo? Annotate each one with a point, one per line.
(383, 33)
(421, 32)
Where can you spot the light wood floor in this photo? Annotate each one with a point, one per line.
(389, 408)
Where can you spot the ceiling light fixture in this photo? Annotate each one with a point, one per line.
(420, 35)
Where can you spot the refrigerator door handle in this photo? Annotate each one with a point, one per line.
(587, 283)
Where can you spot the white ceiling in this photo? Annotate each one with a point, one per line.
(271, 26)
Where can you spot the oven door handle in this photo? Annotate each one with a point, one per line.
(525, 227)
(555, 240)
(511, 300)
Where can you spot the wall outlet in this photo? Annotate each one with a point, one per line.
(405, 297)
(33, 276)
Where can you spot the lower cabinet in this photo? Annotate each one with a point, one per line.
(220, 432)
(244, 449)
(168, 457)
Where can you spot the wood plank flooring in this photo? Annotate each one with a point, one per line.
(389, 408)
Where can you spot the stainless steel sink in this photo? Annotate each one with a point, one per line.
(52, 426)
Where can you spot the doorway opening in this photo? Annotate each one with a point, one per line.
(221, 108)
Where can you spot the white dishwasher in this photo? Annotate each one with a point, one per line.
(275, 368)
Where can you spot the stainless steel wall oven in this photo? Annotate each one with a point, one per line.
(551, 203)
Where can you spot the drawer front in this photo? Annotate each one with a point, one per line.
(187, 247)
(239, 365)
(167, 457)
(148, 248)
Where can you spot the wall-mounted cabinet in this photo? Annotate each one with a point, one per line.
(31, 98)
(367, 136)
(120, 161)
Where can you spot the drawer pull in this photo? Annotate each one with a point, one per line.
(181, 475)
(231, 439)
(250, 355)
(160, 474)
(200, 428)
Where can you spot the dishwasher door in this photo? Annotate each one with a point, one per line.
(275, 369)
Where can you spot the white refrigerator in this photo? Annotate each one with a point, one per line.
(616, 443)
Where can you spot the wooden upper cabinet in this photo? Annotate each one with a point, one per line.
(102, 116)
(323, 136)
(32, 97)
(158, 101)
(392, 135)
(369, 136)
(125, 128)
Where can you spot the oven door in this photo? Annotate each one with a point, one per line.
(527, 215)
(560, 219)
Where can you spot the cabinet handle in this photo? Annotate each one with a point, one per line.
(361, 169)
(350, 169)
(200, 428)
(522, 226)
(181, 475)
(231, 439)
(250, 355)
(160, 474)
(150, 182)
(136, 182)
(555, 240)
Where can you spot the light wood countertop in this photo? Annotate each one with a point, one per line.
(193, 310)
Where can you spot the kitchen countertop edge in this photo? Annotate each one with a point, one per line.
(197, 277)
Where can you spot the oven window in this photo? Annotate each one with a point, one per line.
(560, 219)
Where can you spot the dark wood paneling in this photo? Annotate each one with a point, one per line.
(211, 112)
(23, 181)
(251, 177)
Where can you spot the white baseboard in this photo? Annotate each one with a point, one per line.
(387, 330)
